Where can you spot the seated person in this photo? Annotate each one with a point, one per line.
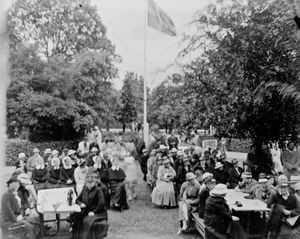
(283, 179)
(153, 178)
(91, 222)
(205, 178)
(284, 205)
(264, 191)
(21, 162)
(248, 184)
(164, 194)
(220, 174)
(67, 173)
(54, 173)
(217, 216)
(11, 211)
(39, 175)
(116, 177)
(26, 192)
(181, 172)
(188, 201)
(80, 175)
(234, 173)
(204, 194)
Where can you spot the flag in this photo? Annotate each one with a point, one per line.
(159, 20)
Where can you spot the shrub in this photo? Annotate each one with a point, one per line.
(239, 145)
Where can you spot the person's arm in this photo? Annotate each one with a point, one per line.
(101, 202)
(76, 175)
(271, 200)
(7, 209)
(182, 190)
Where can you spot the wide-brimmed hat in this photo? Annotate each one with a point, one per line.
(153, 152)
(180, 153)
(21, 155)
(297, 186)
(186, 158)
(166, 160)
(206, 175)
(81, 161)
(190, 176)
(145, 150)
(47, 151)
(246, 175)
(219, 189)
(282, 177)
(283, 184)
(218, 165)
(71, 151)
(36, 150)
(262, 180)
(13, 179)
(24, 178)
(173, 150)
(94, 149)
(54, 152)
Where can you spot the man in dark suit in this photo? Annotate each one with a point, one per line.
(234, 174)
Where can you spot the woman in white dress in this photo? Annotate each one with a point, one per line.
(164, 194)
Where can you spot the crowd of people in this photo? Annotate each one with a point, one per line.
(105, 175)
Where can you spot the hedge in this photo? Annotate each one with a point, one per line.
(239, 145)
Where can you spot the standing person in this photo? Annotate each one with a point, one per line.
(31, 163)
(143, 162)
(150, 165)
(117, 177)
(40, 175)
(252, 162)
(234, 174)
(173, 141)
(164, 194)
(84, 146)
(217, 215)
(91, 222)
(291, 160)
(67, 173)
(11, 211)
(80, 175)
(98, 136)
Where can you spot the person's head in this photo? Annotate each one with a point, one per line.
(166, 162)
(282, 179)
(206, 177)
(21, 156)
(36, 151)
(153, 153)
(40, 161)
(262, 175)
(211, 183)
(54, 153)
(297, 190)
(116, 160)
(67, 161)
(234, 163)
(283, 189)
(91, 177)
(190, 177)
(65, 151)
(220, 190)
(55, 162)
(291, 146)
(145, 152)
(159, 161)
(263, 184)
(271, 179)
(172, 132)
(173, 151)
(247, 177)
(106, 156)
(180, 155)
(186, 161)
(97, 160)
(219, 166)
(198, 174)
(13, 183)
(71, 153)
(48, 152)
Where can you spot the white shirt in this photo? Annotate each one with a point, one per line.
(83, 149)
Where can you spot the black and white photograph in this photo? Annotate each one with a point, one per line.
(150, 119)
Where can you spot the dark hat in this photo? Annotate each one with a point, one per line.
(13, 179)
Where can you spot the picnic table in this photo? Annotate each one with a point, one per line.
(55, 201)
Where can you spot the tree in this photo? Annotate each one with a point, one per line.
(57, 27)
(128, 109)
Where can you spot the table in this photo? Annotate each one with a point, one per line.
(248, 205)
(55, 201)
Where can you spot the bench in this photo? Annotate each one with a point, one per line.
(199, 224)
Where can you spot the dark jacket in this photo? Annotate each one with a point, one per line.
(181, 174)
(290, 204)
(217, 214)
(10, 208)
(54, 176)
(202, 201)
(143, 162)
(24, 194)
(234, 177)
(66, 174)
(103, 173)
(39, 175)
(220, 176)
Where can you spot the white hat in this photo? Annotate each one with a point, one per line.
(297, 186)
(263, 180)
(206, 175)
(36, 150)
(218, 165)
(162, 147)
(282, 177)
(94, 149)
(71, 151)
(48, 151)
(53, 160)
(180, 153)
(24, 178)
(190, 176)
(55, 152)
(219, 189)
(173, 150)
(21, 155)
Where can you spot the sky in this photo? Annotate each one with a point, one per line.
(125, 22)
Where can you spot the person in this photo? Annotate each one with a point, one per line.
(64, 153)
(54, 174)
(164, 194)
(234, 174)
(80, 175)
(217, 215)
(11, 211)
(290, 160)
(276, 153)
(205, 178)
(252, 162)
(31, 163)
(153, 181)
(204, 194)
(91, 222)
(219, 174)
(178, 160)
(226, 165)
(40, 175)
(98, 136)
(188, 201)
(173, 141)
(264, 192)
(28, 192)
(181, 172)
(47, 157)
(209, 165)
(131, 178)
(116, 177)
(150, 166)
(284, 205)
(248, 184)
(143, 163)
(297, 192)
(54, 154)
(90, 157)
(84, 146)
(173, 155)
(67, 173)
(21, 162)
(74, 159)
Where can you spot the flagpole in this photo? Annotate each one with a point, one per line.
(145, 77)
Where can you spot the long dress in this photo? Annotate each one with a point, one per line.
(164, 194)
(90, 227)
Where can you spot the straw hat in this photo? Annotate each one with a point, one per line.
(283, 184)
(173, 150)
(206, 175)
(94, 150)
(55, 152)
(166, 160)
(21, 155)
(246, 175)
(48, 151)
(262, 180)
(218, 165)
(220, 189)
(24, 178)
(297, 187)
(190, 176)
(71, 151)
